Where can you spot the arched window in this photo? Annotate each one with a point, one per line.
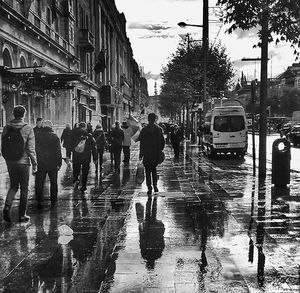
(23, 62)
(7, 61)
(35, 64)
(48, 16)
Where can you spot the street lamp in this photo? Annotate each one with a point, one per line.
(183, 24)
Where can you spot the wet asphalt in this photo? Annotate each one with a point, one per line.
(211, 228)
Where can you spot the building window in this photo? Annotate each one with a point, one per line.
(23, 62)
(7, 61)
(48, 16)
(38, 7)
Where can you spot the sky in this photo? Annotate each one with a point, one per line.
(154, 35)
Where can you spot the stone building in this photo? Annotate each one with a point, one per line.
(67, 61)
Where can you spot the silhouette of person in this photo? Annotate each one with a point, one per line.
(151, 232)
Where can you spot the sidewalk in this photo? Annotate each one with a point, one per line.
(210, 229)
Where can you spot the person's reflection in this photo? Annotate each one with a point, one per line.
(126, 176)
(151, 232)
(260, 233)
(251, 243)
(116, 180)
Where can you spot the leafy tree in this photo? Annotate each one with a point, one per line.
(290, 101)
(283, 18)
(183, 75)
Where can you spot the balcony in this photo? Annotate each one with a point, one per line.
(86, 40)
(110, 96)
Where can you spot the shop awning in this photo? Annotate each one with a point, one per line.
(39, 78)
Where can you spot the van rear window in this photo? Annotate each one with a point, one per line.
(229, 123)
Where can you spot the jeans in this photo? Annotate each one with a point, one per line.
(40, 181)
(100, 158)
(117, 156)
(176, 147)
(84, 167)
(151, 172)
(19, 177)
(126, 152)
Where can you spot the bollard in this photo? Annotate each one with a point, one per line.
(281, 162)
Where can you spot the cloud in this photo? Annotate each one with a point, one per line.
(242, 34)
(151, 27)
(156, 36)
(150, 75)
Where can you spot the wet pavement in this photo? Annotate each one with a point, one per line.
(211, 228)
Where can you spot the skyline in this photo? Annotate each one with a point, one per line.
(150, 28)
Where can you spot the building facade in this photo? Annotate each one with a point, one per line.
(67, 61)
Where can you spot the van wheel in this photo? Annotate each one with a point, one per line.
(240, 155)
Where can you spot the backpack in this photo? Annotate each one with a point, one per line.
(12, 145)
(80, 146)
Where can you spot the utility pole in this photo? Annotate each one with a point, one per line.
(263, 95)
(205, 41)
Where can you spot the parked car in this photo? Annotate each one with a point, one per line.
(294, 135)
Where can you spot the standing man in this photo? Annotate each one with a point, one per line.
(176, 137)
(84, 146)
(117, 137)
(18, 150)
(38, 125)
(128, 133)
(66, 139)
(100, 139)
(152, 142)
(49, 159)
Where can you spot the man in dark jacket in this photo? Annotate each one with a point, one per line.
(100, 139)
(66, 139)
(176, 137)
(117, 137)
(152, 142)
(38, 125)
(84, 146)
(49, 159)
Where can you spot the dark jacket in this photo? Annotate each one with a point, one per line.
(117, 137)
(89, 149)
(176, 137)
(99, 137)
(48, 150)
(152, 142)
(66, 138)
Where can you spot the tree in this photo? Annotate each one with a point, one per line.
(290, 101)
(278, 19)
(183, 75)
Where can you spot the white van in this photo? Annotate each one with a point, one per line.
(225, 131)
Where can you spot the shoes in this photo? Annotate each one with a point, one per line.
(155, 188)
(40, 206)
(76, 183)
(24, 219)
(83, 189)
(149, 192)
(6, 215)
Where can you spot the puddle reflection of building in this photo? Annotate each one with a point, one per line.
(151, 232)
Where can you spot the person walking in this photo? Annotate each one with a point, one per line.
(66, 139)
(176, 137)
(38, 125)
(18, 150)
(128, 133)
(49, 160)
(117, 137)
(83, 146)
(100, 139)
(152, 142)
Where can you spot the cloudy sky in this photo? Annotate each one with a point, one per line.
(154, 35)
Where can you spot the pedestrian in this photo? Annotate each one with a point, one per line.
(49, 160)
(109, 147)
(152, 142)
(83, 147)
(89, 127)
(100, 139)
(18, 150)
(128, 133)
(38, 125)
(176, 137)
(66, 139)
(117, 137)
